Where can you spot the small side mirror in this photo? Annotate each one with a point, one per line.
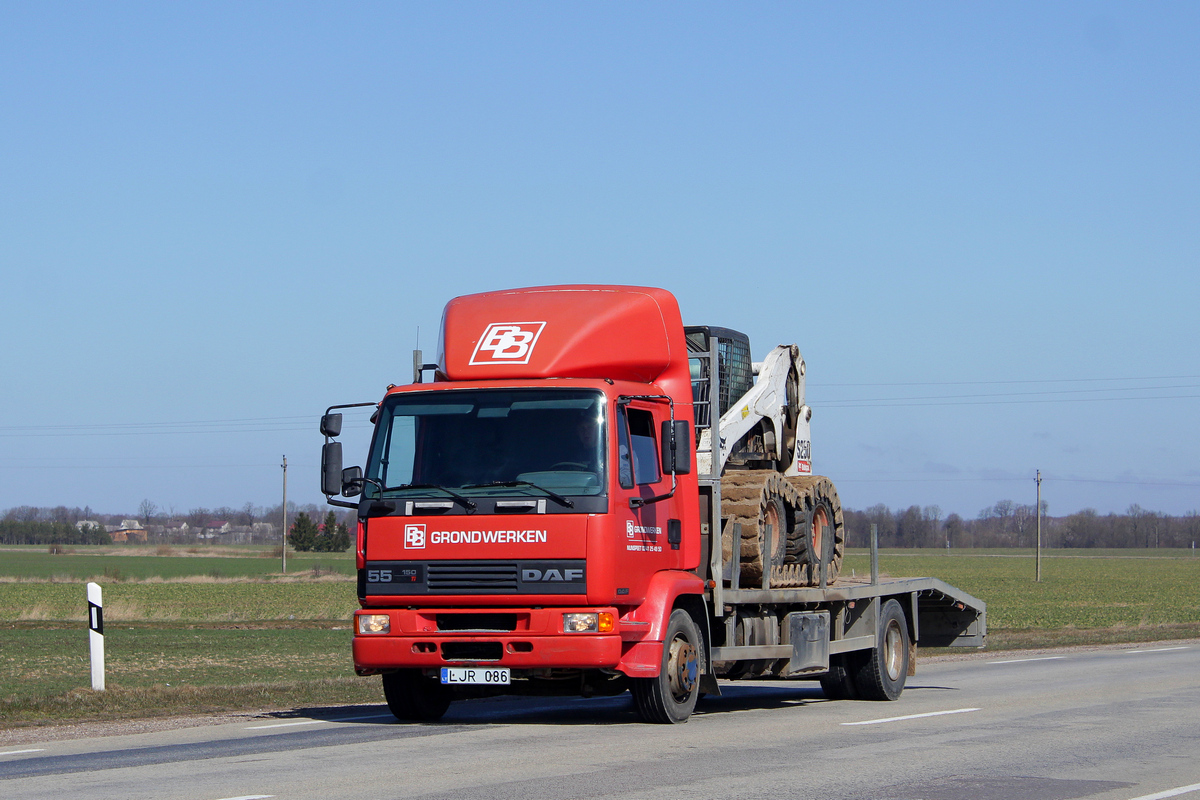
(676, 447)
(331, 424)
(331, 468)
(352, 481)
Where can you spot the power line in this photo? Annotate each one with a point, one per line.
(906, 402)
(1007, 382)
(1021, 394)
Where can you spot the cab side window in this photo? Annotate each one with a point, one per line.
(624, 458)
(644, 447)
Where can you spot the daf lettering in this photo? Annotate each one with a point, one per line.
(551, 575)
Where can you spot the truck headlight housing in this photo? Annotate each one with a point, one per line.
(588, 622)
(374, 623)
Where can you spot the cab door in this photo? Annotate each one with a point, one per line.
(643, 526)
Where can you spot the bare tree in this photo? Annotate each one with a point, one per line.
(933, 516)
(147, 510)
(1023, 516)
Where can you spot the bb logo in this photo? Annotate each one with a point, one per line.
(507, 343)
(414, 537)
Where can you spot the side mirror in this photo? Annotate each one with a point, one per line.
(676, 447)
(352, 481)
(331, 467)
(331, 424)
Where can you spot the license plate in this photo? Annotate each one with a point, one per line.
(477, 675)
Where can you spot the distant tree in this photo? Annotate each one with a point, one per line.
(303, 534)
(334, 536)
(197, 518)
(933, 517)
(885, 521)
(147, 510)
(954, 531)
(1022, 518)
(249, 514)
(910, 528)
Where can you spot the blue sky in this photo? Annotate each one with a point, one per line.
(978, 221)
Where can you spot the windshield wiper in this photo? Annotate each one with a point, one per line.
(566, 501)
(466, 501)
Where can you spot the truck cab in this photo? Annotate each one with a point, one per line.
(522, 518)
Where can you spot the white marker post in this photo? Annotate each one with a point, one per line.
(96, 634)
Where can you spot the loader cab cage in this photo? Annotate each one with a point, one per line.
(735, 372)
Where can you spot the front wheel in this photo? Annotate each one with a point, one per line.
(412, 696)
(882, 673)
(671, 697)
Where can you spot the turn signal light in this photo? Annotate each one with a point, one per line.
(589, 622)
(374, 623)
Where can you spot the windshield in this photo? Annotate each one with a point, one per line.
(466, 441)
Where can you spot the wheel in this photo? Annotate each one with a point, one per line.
(819, 516)
(671, 697)
(882, 673)
(821, 540)
(775, 515)
(412, 696)
(839, 683)
(755, 499)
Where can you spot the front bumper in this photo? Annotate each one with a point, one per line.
(537, 640)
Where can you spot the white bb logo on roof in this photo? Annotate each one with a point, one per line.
(507, 343)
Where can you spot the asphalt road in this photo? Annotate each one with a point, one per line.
(1112, 724)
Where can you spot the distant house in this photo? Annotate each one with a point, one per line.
(214, 528)
(88, 523)
(127, 535)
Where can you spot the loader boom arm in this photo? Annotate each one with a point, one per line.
(773, 409)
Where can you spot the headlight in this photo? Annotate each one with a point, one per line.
(588, 622)
(374, 623)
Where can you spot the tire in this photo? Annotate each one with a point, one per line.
(818, 498)
(671, 697)
(413, 697)
(839, 683)
(882, 673)
(754, 499)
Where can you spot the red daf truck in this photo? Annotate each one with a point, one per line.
(590, 497)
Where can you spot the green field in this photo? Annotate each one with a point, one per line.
(141, 562)
(1101, 589)
(224, 629)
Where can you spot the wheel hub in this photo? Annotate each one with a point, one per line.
(683, 668)
(892, 646)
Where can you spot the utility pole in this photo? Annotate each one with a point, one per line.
(285, 514)
(1039, 526)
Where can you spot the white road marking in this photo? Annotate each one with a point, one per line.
(1157, 650)
(249, 797)
(912, 716)
(1195, 787)
(1019, 660)
(315, 722)
(18, 752)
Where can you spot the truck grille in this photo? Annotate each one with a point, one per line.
(472, 577)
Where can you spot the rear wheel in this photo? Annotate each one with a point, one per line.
(882, 674)
(412, 696)
(671, 697)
